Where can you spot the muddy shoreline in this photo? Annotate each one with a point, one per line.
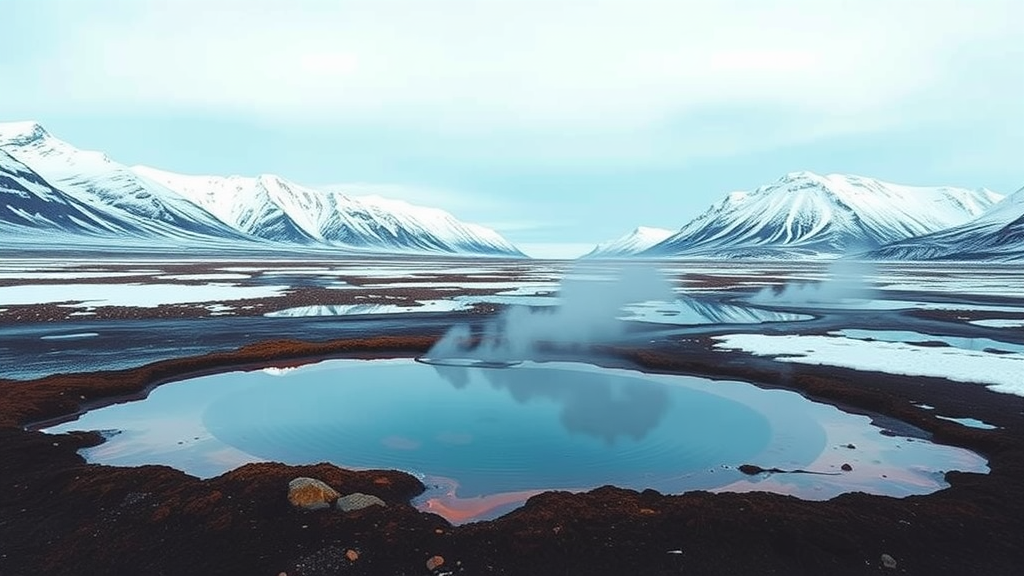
(59, 515)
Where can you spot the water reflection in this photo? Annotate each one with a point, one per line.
(487, 439)
(693, 311)
(592, 404)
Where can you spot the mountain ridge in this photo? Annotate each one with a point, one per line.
(998, 234)
(168, 208)
(808, 215)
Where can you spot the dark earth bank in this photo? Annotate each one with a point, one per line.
(59, 515)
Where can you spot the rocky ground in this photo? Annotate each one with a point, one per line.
(59, 515)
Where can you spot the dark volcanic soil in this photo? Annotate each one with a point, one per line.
(59, 515)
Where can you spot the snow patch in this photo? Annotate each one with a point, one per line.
(1000, 323)
(135, 295)
(1000, 372)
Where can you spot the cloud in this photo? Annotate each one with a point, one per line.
(544, 83)
(468, 66)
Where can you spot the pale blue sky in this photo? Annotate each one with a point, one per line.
(558, 123)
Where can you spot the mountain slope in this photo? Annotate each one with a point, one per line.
(242, 203)
(270, 207)
(804, 214)
(635, 242)
(162, 208)
(29, 205)
(998, 234)
(111, 188)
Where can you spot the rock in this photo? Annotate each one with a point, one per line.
(310, 494)
(888, 561)
(434, 563)
(352, 555)
(851, 446)
(846, 468)
(750, 469)
(358, 501)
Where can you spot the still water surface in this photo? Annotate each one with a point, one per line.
(485, 439)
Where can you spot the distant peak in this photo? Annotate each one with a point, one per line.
(20, 133)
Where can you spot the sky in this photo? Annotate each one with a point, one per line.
(559, 123)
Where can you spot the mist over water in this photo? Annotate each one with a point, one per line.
(847, 280)
(587, 313)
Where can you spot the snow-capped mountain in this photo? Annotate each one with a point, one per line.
(271, 207)
(242, 203)
(998, 234)
(146, 204)
(29, 205)
(633, 243)
(111, 188)
(805, 214)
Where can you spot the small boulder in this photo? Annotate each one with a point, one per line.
(888, 561)
(310, 494)
(846, 468)
(352, 555)
(358, 501)
(434, 563)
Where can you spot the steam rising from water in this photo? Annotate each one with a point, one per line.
(587, 314)
(847, 280)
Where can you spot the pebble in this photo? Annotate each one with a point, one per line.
(310, 493)
(888, 561)
(434, 563)
(352, 555)
(358, 501)
(846, 467)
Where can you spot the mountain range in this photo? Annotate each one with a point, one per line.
(49, 188)
(55, 195)
(997, 235)
(806, 215)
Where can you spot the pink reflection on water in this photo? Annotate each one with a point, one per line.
(445, 502)
(877, 467)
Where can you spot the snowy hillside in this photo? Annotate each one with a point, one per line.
(633, 243)
(30, 206)
(109, 187)
(996, 235)
(242, 203)
(100, 196)
(270, 207)
(805, 214)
